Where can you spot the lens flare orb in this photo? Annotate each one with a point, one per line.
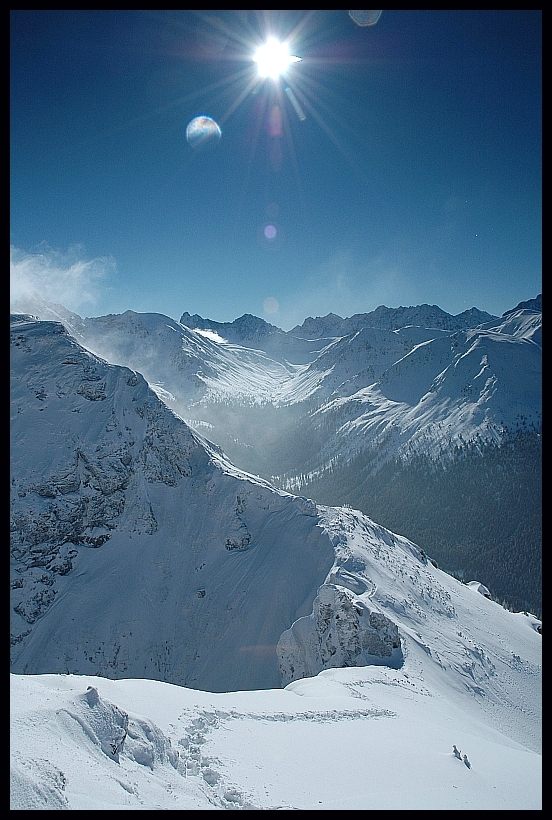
(270, 305)
(365, 18)
(203, 132)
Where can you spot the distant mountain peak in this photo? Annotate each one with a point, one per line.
(530, 304)
(386, 318)
(250, 322)
(193, 320)
(473, 311)
(331, 316)
(246, 322)
(316, 327)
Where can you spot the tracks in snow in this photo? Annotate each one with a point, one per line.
(220, 792)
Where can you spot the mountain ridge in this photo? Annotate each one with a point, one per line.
(379, 395)
(530, 304)
(383, 317)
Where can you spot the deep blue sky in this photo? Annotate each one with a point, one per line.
(415, 177)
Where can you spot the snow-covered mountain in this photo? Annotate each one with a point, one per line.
(355, 361)
(529, 304)
(329, 326)
(445, 447)
(389, 395)
(197, 369)
(220, 387)
(199, 361)
(252, 332)
(469, 385)
(384, 318)
(524, 323)
(139, 551)
(246, 328)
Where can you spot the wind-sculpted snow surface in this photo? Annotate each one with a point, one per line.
(385, 603)
(341, 740)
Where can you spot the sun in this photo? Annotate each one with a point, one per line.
(273, 58)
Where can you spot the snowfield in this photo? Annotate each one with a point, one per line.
(364, 738)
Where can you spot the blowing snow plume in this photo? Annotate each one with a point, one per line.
(64, 277)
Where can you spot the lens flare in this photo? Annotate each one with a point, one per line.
(270, 305)
(202, 132)
(365, 18)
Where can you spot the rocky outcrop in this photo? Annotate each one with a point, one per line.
(342, 630)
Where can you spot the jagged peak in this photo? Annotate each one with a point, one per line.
(529, 304)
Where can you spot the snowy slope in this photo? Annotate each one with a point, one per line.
(523, 323)
(355, 361)
(252, 332)
(459, 387)
(367, 738)
(529, 304)
(136, 549)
